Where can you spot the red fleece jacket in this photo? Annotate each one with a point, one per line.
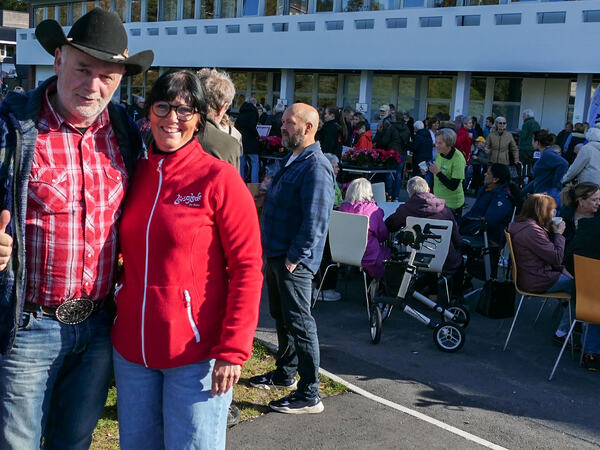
(192, 276)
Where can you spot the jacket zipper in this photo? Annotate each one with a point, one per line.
(158, 169)
(188, 305)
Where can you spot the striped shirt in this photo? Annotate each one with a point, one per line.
(76, 186)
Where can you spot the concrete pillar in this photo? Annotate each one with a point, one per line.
(286, 93)
(365, 92)
(462, 95)
(582, 97)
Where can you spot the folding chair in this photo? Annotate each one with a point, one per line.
(347, 242)
(379, 192)
(587, 307)
(562, 296)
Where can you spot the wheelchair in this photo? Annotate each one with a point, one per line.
(448, 332)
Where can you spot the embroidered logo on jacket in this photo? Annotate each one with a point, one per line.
(189, 200)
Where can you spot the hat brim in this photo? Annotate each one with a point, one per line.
(50, 35)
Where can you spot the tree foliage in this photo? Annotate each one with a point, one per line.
(13, 5)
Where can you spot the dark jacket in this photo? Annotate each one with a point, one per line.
(423, 146)
(330, 137)
(530, 126)
(298, 204)
(19, 114)
(585, 241)
(246, 123)
(569, 152)
(220, 144)
(568, 215)
(496, 206)
(548, 171)
(539, 255)
(393, 136)
(276, 124)
(429, 206)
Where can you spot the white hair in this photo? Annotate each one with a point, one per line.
(416, 185)
(448, 136)
(219, 90)
(419, 125)
(465, 119)
(359, 190)
(332, 158)
(528, 113)
(279, 107)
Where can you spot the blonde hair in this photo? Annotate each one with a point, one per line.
(359, 190)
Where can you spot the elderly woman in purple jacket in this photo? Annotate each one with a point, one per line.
(359, 200)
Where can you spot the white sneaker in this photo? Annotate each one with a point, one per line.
(331, 295)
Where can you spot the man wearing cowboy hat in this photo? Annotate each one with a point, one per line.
(66, 156)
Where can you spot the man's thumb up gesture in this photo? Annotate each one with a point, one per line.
(5, 240)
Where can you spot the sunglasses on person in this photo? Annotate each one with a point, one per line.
(501, 123)
(163, 109)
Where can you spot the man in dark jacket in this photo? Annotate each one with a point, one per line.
(66, 156)
(219, 91)
(423, 147)
(246, 124)
(530, 126)
(393, 135)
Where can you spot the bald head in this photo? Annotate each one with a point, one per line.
(299, 126)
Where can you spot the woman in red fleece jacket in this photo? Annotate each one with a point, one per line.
(187, 303)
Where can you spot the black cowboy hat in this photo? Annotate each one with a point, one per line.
(99, 34)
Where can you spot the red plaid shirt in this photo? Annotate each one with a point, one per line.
(76, 186)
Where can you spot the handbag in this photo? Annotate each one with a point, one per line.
(497, 299)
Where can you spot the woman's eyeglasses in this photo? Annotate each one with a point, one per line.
(163, 109)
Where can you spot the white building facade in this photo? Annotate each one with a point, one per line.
(477, 57)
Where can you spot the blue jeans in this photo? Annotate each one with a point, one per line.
(53, 383)
(169, 408)
(253, 158)
(393, 183)
(289, 302)
(565, 284)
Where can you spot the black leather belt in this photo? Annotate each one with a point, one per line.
(70, 312)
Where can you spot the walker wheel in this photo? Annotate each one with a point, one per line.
(461, 316)
(386, 311)
(449, 337)
(375, 324)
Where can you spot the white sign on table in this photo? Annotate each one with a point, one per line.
(263, 130)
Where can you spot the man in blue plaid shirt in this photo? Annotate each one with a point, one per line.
(295, 220)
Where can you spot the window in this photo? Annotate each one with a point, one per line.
(250, 7)
(468, 21)
(169, 9)
(171, 31)
(551, 17)
(273, 7)
(188, 9)
(508, 19)
(136, 10)
(407, 94)
(381, 94)
(481, 2)
(136, 32)
(121, 9)
(353, 5)
(364, 24)
(280, 27)
(443, 3)
(207, 9)
(428, 22)
(414, 4)
(396, 22)
(228, 8)
(240, 81)
(477, 97)
(571, 106)
(439, 94)
(151, 10)
(306, 26)
(211, 29)
(232, 28)
(334, 25)
(190, 30)
(78, 11)
(63, 15)
(303, 87)
(592, 15)
(255, 28)
(297, 7)
(38, 16)
(507, 100)
(351, 90)
(152, 31)
(324, 5)
(327, 90)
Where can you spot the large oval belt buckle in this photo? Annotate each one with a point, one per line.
(74, 311)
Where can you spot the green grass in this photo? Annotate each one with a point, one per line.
(251, 401)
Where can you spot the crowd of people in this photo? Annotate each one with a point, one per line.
(176, 317)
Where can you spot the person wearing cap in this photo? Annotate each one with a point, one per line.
(479, 160)
(67, 155)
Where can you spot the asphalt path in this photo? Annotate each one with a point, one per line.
(501, 397)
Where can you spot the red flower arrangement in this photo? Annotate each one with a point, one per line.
(371, 158)
(271, 145)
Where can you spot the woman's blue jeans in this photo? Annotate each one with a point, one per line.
(169, 408)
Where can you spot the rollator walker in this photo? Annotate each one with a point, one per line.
(428, 252)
